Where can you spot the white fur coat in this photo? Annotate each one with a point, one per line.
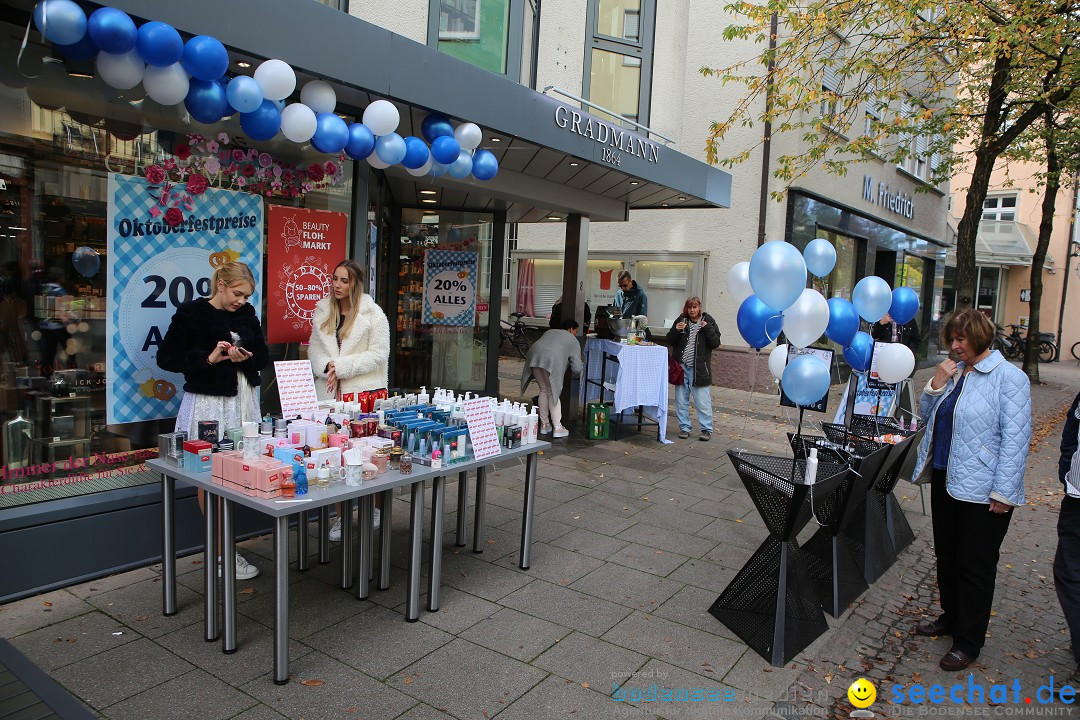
(361, 363)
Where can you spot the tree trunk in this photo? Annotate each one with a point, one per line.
(1046, 226)
(968, 229)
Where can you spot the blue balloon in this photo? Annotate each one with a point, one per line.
(806, 379)
(279, 104)
(758, 323)
(206, 101)
(229, 109)
(390, 148)
(244, 94)
(461, 167)
(85, 49)
(64, 23)
(436, 126)
(843, 322)
(112, 30)
(905, 305)
(445, 149)
(484, 165)
(778, 274)
(331, 133)
(205, 58)
(438, 169)
(820, 256)
(361, 141)
(860, 352)
(416, 153)
(86, 260)
(262, 123)
(872, 298)
(159, 44)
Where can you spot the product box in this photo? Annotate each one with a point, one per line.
(290, 455)
(171, 447)
(512, 437)
(323, 456)
(208, 431)
(197, 454)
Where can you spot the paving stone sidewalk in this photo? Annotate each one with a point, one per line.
(633, 542)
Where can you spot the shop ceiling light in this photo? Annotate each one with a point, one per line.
(242, 64)
(574, 164)
(634, 182)
(428, 201)
(427, 192)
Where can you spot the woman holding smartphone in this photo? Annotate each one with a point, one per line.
(217, 344)
(692, 340)
(350, 343)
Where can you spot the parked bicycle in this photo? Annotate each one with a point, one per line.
(517, 336)
(1076, 350)
(1013, 344)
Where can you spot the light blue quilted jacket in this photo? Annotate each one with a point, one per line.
(991, 432)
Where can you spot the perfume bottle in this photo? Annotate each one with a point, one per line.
(17, 434)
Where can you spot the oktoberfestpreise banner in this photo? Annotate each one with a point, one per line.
(302, 248)
(154, 267)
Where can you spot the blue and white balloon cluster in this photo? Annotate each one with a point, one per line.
(772, 295)
(193, 73)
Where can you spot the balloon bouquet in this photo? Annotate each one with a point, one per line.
(173, 71)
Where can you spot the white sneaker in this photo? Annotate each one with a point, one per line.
(560, 432)
(545, 430)
(244, 569)
(335, 532)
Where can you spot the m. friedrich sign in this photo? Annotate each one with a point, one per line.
(614, 141)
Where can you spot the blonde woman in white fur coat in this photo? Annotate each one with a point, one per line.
(350, 344)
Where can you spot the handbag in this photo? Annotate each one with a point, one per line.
(675, 374)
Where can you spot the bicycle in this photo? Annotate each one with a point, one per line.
(1013, 345)
(1076, 350)
(517, 335)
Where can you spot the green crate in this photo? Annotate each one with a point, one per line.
(597, 417)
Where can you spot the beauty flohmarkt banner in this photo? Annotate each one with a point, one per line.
(159, 259)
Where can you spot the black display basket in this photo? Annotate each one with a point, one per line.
(771, 603)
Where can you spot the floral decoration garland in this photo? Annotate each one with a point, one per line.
(201, 162)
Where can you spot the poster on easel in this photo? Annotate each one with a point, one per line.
(296, 387)
(482, 433)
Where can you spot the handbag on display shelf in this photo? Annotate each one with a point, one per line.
(675, 374)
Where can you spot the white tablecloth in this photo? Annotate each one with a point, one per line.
(639, 378)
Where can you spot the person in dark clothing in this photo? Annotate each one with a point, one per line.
(555, 320)
(1067, 558)
(908, 333)
(630, 299)
(692, 340)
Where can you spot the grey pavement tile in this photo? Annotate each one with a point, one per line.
(254, 656)
(604, 502)
(590, 543)
(569, 476)
(459, 610)
(379, 642)
(513, 499)
(422, 711)
(515, 634)
(261, 584)
(754, 674)
(322, 687)
(487, 580)
(690, 606)
(695, 483)
(315, 606)
(729, 555)
(668, 514)
(626, 488)
(117, 580)
(467, 680)
(498, 542)
(259, 712)
(68, 642)
(577, 516)
(570, 460)
(394, 595)
(648, 559)
(543, 530)
(653, 466)
(668, 539)
(558, 698)
(627, 586)
(114, 675)
(583, 659)
(195, 695)
(38, 611)
(559, 491)
(677, 644)
(139, 606)
(610, 472)
(566, 607)
(555, 564)
(747, 534)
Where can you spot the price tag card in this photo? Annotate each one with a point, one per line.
(296, 387)
(482, 433)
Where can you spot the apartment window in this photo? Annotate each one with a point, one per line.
(871, 119)
(919, 161)
(485, 33)
(830, 87)
(618, 58)
(999, 207)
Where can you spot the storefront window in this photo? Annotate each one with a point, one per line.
(842, 279)
(987, 295)
(615, 83)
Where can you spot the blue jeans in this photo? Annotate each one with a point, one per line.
(702, 402)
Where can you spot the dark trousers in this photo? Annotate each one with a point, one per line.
(1067, 568)
(967, 542)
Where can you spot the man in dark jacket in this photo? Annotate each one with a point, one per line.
(630, 299)
(1067, 559)
(555, 320)
(908, 334)
(692, 339)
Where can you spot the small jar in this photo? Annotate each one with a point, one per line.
(405, 464)
(395, 457)
(369, 471)
(288, 487)
(381, 460)
(323, 476)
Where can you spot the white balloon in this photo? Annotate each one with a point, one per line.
(778, 361)
(298, 122)
(468, 135)
(319, 96)
(382, 117)
(738, 282)
(374, 161)
(276, 78)
(895, 362)
(167, 85)
(420, 171)
(805, 321)
(122, 72)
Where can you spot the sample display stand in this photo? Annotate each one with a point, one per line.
(771, 603)
(616, 418)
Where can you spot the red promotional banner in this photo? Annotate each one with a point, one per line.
(302, 248)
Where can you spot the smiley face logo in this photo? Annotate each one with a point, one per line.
(862, 693)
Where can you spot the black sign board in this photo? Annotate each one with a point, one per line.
(826, 356)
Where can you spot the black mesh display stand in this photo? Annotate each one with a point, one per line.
(771, 603)
(840, 578)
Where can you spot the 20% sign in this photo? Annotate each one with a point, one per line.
(450, 293)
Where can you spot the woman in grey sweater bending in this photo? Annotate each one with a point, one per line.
(546, 363)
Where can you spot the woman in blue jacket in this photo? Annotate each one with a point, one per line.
(978, 416)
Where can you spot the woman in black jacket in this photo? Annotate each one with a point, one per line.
(692, 339)
(217, 344)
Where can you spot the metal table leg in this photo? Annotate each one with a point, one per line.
(416, 544)
(345, 509)
(210, 566)
(481, 510)
(168, 545)
(302, 541)
(363, 549)
(324, 534)
(527, 511)
(228, 572)
(281, 600)
(462, 505)
(385, 532)
(438, 486)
